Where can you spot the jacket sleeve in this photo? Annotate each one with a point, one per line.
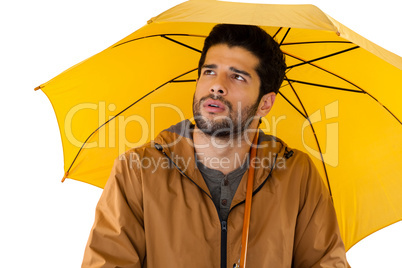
(117, 237)
(318, 242)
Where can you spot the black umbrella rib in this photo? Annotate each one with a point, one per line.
(317, 42)
(125, 109)
(324, 57)
(180, 43)
(184, 81)
(351, 83)
(315, 137)
(157, 35)
(389, 112)
(284, 37)
(277, 32)
(280, 93)
(397, 119)
(325, 86)
(322, 69)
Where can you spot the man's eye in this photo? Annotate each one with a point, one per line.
(208, 72)
(239, 77)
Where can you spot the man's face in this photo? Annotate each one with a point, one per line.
(226, 97)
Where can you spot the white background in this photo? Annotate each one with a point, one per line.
(45, 223)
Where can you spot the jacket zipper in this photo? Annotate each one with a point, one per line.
(224, 241)
(224, 230)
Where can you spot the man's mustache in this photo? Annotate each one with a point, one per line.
(219, 98)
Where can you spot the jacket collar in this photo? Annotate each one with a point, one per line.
(178, 145)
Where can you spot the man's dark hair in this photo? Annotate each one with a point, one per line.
(271, 68)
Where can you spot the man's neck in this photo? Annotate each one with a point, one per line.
(223, 154)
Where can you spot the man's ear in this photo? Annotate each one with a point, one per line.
(266, 103)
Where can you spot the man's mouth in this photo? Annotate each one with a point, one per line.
(214, 106)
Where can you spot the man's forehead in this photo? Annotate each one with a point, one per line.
(236, 54)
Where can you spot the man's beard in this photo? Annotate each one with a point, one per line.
(224, 127)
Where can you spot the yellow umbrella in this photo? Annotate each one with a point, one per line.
(339, 101)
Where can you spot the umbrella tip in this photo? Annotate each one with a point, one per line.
(150, 21)
(64, 177)
(37, 88)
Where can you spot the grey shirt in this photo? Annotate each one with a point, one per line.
(222, 187)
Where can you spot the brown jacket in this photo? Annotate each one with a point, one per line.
(156, 211)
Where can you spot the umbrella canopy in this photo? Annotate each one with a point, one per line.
(339, 101)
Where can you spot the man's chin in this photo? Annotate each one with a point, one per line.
(218, 133)
(215, 116)
(215, 128)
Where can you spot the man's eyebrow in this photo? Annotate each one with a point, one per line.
(209, 66)
(233, 69)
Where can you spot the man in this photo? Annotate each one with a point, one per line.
(189, 212)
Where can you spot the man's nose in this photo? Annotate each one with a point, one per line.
(219, 86)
